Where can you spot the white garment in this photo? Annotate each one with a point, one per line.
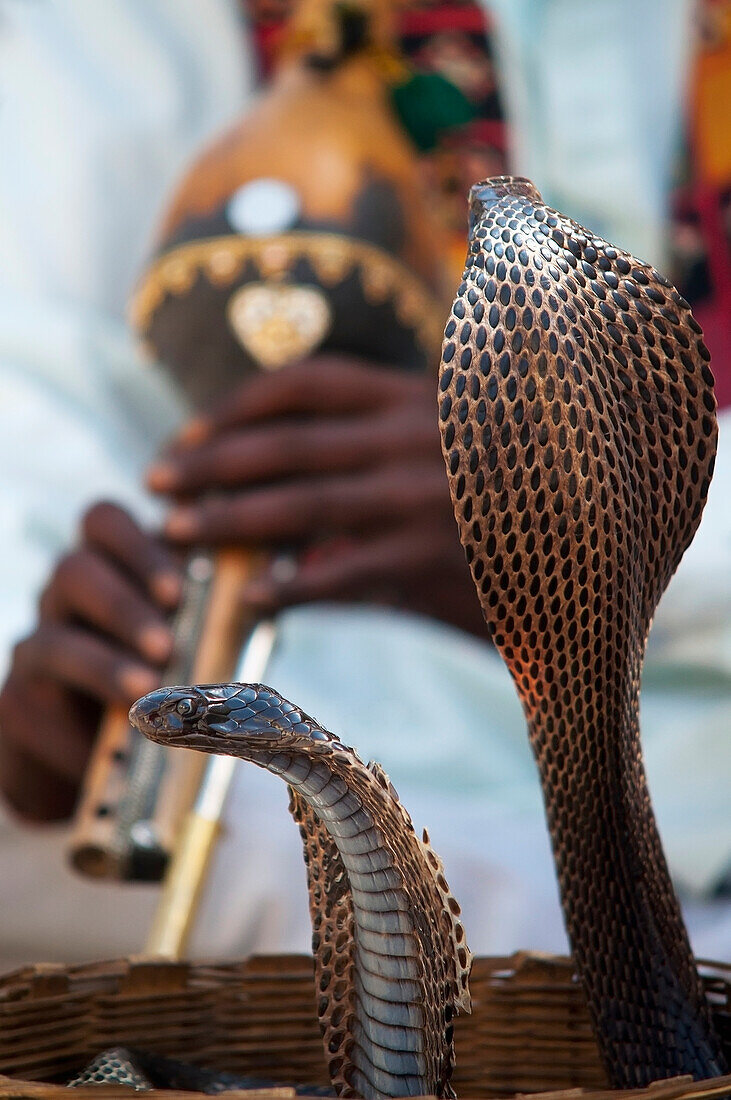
(115, 97)
(594, 95)
(101, 108)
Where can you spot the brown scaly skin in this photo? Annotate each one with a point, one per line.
(391, 962)
(578, 427)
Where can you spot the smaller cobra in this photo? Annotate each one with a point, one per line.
(391, 962)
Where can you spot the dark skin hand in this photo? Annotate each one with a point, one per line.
(343, 472)
(102, 638)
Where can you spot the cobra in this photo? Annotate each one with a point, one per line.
(578, 428)
(391, 961)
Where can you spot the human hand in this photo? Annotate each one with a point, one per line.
(339, 462)
(102, 637)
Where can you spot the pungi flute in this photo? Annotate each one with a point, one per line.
(257, 267)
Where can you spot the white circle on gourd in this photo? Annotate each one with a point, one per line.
(262, 207)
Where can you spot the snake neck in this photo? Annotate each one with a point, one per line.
(577, 422)
(625, 925)
(388, 995)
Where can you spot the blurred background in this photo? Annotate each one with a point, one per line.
(111, 164)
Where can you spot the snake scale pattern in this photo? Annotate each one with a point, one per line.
(579, 432)
(578, 427)
(391, 961)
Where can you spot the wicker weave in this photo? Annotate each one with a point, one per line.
(529, 1031)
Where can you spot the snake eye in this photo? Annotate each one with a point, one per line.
(185, 707)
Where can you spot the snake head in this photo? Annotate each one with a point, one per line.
(232, 719)
(487, 193)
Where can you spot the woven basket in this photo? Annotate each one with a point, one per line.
(529, 1030)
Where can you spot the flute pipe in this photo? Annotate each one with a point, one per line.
(225, 624)
(188, 871)
(120, 785)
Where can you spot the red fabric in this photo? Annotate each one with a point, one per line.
(466, 17)
(701, 222)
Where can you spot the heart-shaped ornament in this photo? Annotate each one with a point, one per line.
(278, 323)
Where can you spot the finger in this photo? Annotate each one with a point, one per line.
(35, 792)
(111, 529)
(383, 562)
(40, 736)
(87, 586)
(288, 449)
(84, 662)
(322, 385)
(303, 510)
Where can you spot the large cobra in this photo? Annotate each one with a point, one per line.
(578, 427)
(391, 961)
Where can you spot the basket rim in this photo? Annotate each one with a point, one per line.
(674, 1088)
(142, 978)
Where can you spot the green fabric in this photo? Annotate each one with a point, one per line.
(428, 105)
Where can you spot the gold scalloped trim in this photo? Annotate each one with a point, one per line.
(333, 257)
